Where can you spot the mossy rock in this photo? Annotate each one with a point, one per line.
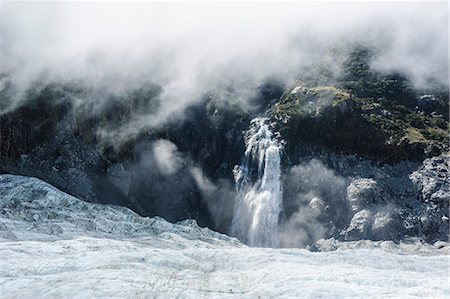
(333, 117)
(413, 135)
(302, 100)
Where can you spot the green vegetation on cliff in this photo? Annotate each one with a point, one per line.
(366, 112)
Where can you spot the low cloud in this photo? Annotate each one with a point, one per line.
(190, 48)
(167, 157)
(219, 198)
(204, 183)
(303, 227)
(168, 183)
(316, 197)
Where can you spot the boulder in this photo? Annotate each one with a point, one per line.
(433, 180)
(385, 225)
(362, 192)
(360, 225)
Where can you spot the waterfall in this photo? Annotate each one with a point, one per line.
(258, 202)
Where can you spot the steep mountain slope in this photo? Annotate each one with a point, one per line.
(353, 148)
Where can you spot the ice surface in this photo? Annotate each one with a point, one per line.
(110, 252)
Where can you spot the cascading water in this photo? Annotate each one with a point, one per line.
(258, 203)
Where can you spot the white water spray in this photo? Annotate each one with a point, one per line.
(258, 203)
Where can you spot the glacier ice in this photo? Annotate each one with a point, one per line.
(53, 245)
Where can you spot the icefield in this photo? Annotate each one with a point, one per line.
(53, 245)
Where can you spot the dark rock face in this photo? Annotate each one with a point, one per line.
(352, 158)
(212, 134)
(48, 139)
(348, 197)
(120, 177)
(333, 118)
(366, 112)
(34, 122)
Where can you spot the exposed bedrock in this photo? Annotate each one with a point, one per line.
(362, 157)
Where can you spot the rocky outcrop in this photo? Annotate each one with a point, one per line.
(374, 127)
(386, 225)
(433, 180)
(361, 193)
(363, 111)
(370, 199)
(47, 137)
(34, 122)
(352, 152)
(432, 183)
(359, 226)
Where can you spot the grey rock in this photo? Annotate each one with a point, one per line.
(440, 196)
(398, 195)
(59, 160)
(362, 192)
(433, 180)
(326, 244)
(360, 225)
(317, 203)
(49, 228)
(120, 177)
(78, 182)
(6, 232)
(385, 225)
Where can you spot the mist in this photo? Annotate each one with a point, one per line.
(190, 48)
(315, 195)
